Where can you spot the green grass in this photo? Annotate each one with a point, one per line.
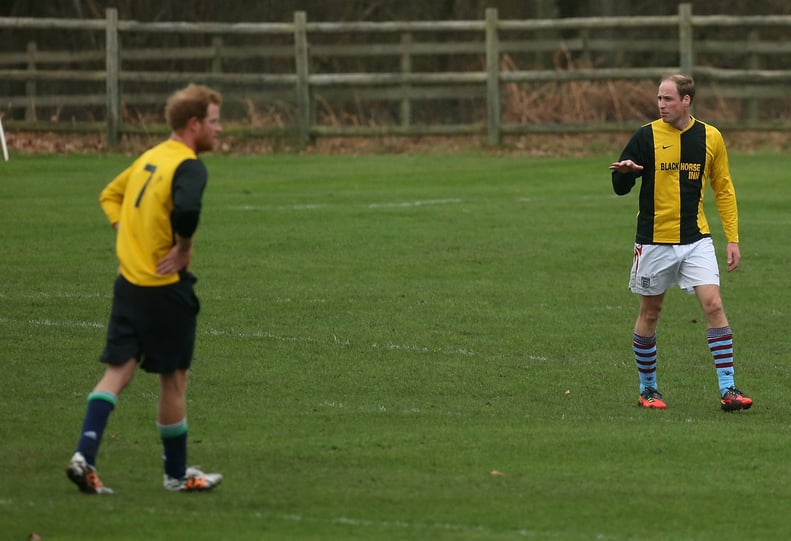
(378, 334)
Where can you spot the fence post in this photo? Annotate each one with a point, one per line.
(754, 64)
(216, 59)
(30, 86)
(492, 77)
(113, 70)
(303, 85)
(406, 67)
(685, 46)
(585, 37)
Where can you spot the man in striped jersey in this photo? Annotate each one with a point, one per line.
(674, 155)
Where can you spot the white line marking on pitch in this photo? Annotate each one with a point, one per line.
(68, 324)
(413, 203)
(423, 349)
(406, 525)
(313, 206)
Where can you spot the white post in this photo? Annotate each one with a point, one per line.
(2, 140)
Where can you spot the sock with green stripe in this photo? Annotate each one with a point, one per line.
(100, 405)
(174, 443)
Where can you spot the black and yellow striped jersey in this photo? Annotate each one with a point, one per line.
(148, 200)
(676, 167)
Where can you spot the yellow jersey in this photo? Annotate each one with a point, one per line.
(677, 165)
(149, 200)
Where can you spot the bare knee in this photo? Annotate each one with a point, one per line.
(715, 313)
(651, 314)
(711, 304)
(647, 319)
(117, 376)
(175, 382)
(650, 308)
(712, 307)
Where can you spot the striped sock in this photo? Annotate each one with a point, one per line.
(100, 405)
(174, 443)
(645, 356)
(721, 346)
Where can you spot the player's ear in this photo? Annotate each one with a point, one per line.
(193, 123)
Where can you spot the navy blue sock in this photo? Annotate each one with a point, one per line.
(100, 405)
(174, 443)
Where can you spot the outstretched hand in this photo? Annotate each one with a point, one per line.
(625, 166)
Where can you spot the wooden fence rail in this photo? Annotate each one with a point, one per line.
(301, 42)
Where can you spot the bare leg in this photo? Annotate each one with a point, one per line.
(648, 317)
(172, 397)
(711, 303)
(116, 377)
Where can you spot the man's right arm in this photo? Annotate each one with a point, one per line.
(624, 175)
(112, 197)
(628, 167)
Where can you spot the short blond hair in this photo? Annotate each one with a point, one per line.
(191, 101)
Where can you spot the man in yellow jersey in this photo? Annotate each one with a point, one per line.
(154, 206)
(675, 155)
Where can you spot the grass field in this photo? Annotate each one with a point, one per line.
(379, 335)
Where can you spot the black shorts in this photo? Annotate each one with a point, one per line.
(155, 325)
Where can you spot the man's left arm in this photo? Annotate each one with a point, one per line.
(725, 199)
(178, 258)
(189, 181)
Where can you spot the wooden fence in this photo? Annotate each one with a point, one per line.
(302, 87)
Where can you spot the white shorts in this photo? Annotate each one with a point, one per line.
(658, 267)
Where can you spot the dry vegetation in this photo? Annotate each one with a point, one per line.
(578, 102)
(550, 145)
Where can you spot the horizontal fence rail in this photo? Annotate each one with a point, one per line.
(293, 67)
